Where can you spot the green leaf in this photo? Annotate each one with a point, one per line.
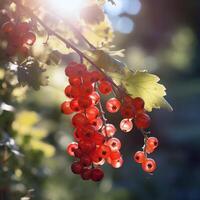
(107, 62)
(137, 84)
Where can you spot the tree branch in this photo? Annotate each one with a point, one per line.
(61, 38)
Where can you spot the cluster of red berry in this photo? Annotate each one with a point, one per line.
(18, 36)
(95, 143)
(134, 113)
(148, 164)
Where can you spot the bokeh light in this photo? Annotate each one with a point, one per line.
(133, 7)
(124, 25)
(121, 23)
(115, 9)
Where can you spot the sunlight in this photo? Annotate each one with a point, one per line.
(66, 7)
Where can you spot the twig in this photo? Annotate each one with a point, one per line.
(6, 156)
(47, 39)
(102, 113)
(145, 135)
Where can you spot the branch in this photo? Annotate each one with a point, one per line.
(61, 38)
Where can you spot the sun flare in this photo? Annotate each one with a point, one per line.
(66, 7)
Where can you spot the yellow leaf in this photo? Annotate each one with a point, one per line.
(99, 34)
(146, 86)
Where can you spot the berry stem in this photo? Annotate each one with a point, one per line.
(145, 135)
(101, 111)
(47, 39)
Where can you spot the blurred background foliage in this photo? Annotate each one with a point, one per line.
(162, 36)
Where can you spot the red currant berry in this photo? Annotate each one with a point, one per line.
(98, 139)
(114, 144)
(139, 157)
(23, 27)
(108, 130)
(97, 123)
(7, 27)
(87, 132)
(128, 100)
(68, 90)
(95, 97)
(77, 134)
(65, 108)
(115, 155)
(86, 174)
(29, 38)
(85, 102)
(76, 167)
(95, 156)
(87, 146)
(75, 81)
(127, 111)
(101, 161)
(104, 151)
(126, 125)
(92, 113)
(86, 77)
(113, 105)
(75, 92)
(78, 153)
(142, 120)
(97, 174)
(138, 104)
(80, 69)
(117, 163)
(105, 87)
(79, 120)
(87, 89)
(95, 76)
(69, 70)
(86, 160)
(71, 148)
(149, 165)
(151, 144)
(74, 105)
(15, 40)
